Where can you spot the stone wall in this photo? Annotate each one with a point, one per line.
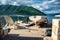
(56, 29)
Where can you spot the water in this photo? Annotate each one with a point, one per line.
(15, 18)
(50, 17)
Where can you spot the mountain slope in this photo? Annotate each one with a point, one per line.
(19, 10)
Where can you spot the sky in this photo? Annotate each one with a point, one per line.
(46, 6)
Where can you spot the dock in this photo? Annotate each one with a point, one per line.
(25, 34)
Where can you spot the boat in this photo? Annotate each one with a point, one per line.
(32, 31)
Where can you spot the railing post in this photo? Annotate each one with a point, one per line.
(1, 31)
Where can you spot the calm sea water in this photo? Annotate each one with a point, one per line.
(50, 17)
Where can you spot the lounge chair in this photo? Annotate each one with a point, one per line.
(9, 22)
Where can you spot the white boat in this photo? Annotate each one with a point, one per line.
(35, 18)
(57, 15)
(18, 22)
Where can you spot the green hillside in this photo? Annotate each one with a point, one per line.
(19, 10)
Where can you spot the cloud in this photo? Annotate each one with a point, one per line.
(52, 3)
(52, 11)
(14, 3)
(37, 6)
(46, 5)
(51, 6)
(42, 5)
(24, 1)
(3, 1)
(20, 2)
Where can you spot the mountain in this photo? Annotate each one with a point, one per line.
(54, 14)
(19, 10)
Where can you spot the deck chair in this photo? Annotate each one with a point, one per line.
(9, 22)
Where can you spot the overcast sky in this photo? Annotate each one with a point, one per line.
(47, 6)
